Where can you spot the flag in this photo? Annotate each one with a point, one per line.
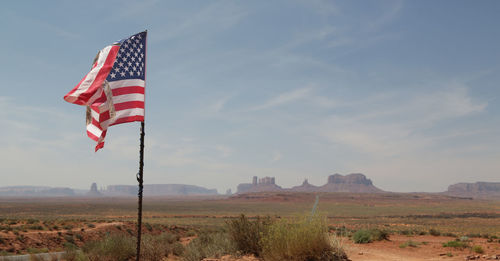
(114, 89)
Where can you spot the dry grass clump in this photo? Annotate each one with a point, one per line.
(247, 234)
(301, 239)
(209, 244)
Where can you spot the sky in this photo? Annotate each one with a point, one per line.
(405, 92)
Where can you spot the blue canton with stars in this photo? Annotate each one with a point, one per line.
(130, 61)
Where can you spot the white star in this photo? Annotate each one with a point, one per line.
(124, 59)
(134, 45)
(131, 73)
(142, 55)
(140, 58)
(138, 50)
(126, 68)
(117, 69)
(138, 73)
(133, 59)
(113, 75)
(140, 45)
(128, 54)
(129, 64)
(122, 74)
(119, 55)
(136, 40)
(136, 54)
(120, 64)
(137, 64)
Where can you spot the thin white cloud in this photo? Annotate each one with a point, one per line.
(284, 98)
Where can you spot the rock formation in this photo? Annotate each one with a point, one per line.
(354, 183)
(260, 185)
(93, 192)
(161, 190)
(475, 190)
(305, 187)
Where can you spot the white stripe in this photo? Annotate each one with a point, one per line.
(124, 83)
(90, 77)
(94, 130)
(123, 114)
(128, 97)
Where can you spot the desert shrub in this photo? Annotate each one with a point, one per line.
(472, 235)
(3, 253)
(456, 244)
(301, 239)
(69, 238)
(153, 249)
(191, 233)
(72, 253)
(113, 247)
(215, 244)
(409, 243)
(177, 249)
(379, 235)
(362, 236)
(31, 250)
(90, 225)
(148, 226)
(434, 232)
(478, 249)
(247, 234)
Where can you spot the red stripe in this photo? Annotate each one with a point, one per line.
(129, 105)
(78, 85)
(104, 116)
(128, 119)
(99, 79)
(92, 136)
(128, 90)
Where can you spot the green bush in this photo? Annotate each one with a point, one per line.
(478, 249)
(215, 244)
(303, 239)
(362, 236)
(379, 235)
(247, 234)
(434, 232)
(456, 244)
(409, 243)
(114, 247)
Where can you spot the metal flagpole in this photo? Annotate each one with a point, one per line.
(140, 179)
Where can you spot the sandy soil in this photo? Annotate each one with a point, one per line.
(432, 250)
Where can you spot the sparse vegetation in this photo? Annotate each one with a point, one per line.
(456, 244)
(409, 243)
(364, 236)
(478, 249)
(434, 232)
(213, 244)
(110, 248)
(300, 239)
(247, 234)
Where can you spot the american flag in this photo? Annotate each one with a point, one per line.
(113, 90)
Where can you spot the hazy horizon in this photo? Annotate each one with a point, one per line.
(405, 92)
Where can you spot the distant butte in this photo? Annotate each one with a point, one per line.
(354, 183)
